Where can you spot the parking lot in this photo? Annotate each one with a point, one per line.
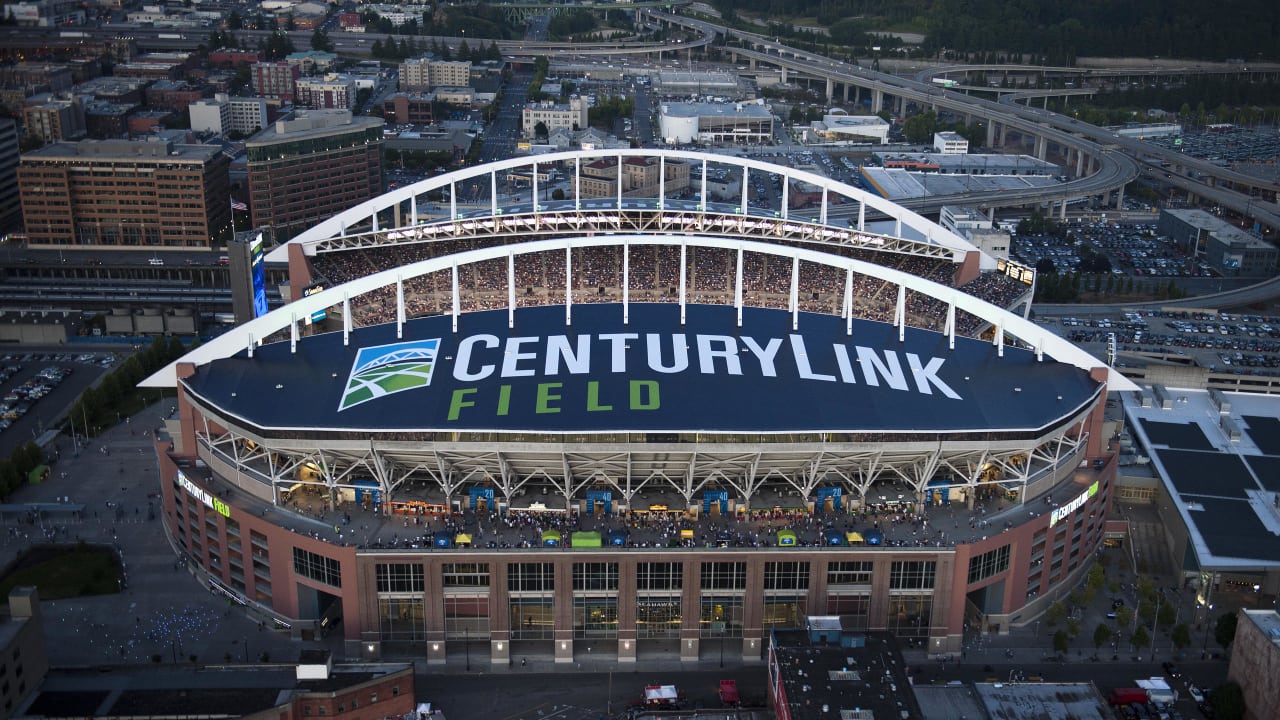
(1226, 147)
(1238, 344)
(36, 387)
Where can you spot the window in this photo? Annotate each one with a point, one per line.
(595, 576)
(531, 577)
(909, 615)
(786, 576)
(595, 616)
(912, 575)
(402, 618)
(992, 562)
(400, 578)
(658, 617)
(721, 616)
(465, 575)
(724, 576)
(849, 573)
(659, 576)
(532, 618)
(317, 567)
(466, 616)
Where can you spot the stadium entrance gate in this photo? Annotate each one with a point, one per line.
(482, 499)
(599, 502)
(715, 502)
(829, 499)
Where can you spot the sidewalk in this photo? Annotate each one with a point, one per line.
(163, 611)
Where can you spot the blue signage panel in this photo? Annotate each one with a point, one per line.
(650, 375)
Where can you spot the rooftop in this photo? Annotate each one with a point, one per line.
(825, 673)
(1219, 228)
(1042, 701)
(1226, 484)
(744, 110)
(1268, 622)
(125, 151)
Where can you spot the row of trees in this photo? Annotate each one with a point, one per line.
(1057, 31)
(389, 48)
(117, 393)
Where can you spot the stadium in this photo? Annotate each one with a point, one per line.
(636, 419)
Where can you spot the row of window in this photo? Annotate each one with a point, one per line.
(664, 576)
(467, 618)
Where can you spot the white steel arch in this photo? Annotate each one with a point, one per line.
(253, 333)
(366, 214)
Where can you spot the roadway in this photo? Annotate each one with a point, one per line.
(1058, 129)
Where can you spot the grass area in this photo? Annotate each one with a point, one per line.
(64, 572)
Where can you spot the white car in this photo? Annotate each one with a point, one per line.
(1196, 693)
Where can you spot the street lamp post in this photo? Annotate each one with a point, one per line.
(1204, 643)
(466, 645)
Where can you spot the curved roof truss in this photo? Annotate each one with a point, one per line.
(381, 213)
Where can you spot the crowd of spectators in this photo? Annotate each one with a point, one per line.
(653, 276)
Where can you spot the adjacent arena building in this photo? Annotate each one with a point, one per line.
(495, 425)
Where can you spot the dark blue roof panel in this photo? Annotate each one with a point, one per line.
(650, 375)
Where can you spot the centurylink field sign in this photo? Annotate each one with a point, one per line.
(652, 374)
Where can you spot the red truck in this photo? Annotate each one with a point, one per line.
(729, 693)
(1125, 696)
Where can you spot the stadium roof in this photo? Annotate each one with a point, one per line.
(289, 318)
(652, 374)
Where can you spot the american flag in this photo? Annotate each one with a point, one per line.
(237, 205)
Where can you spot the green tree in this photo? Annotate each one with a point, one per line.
(320, 40)
(1146, 610)
(1224, 632)
(1228, 701)
(1140, 637)
(540, 130)
(1101, 635)
(1168, 614)
(1124, 616)
(1055, 613)
(1061, 642)
(234, 22)
(1181, 636)
(1097, 576)
(1073, 627)
(919, 129)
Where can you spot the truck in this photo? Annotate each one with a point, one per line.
(946, 83)
(1158, 691)
(729, 693)
(1125, 696)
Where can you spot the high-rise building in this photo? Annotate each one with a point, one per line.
(333, 91)
(55, 120)
(306, 169)
(425, 73)
(122, 193)
(224, 114)
(275, 80)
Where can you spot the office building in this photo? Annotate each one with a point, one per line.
(572, 115)
(308, 168)
(425, 73)
(1227, 248)
(275, 80)
(142, 194)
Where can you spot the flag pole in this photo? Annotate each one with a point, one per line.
(232, 199)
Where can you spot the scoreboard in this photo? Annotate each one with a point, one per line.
(1018, 272)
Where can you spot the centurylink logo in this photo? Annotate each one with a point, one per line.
(388, 369)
